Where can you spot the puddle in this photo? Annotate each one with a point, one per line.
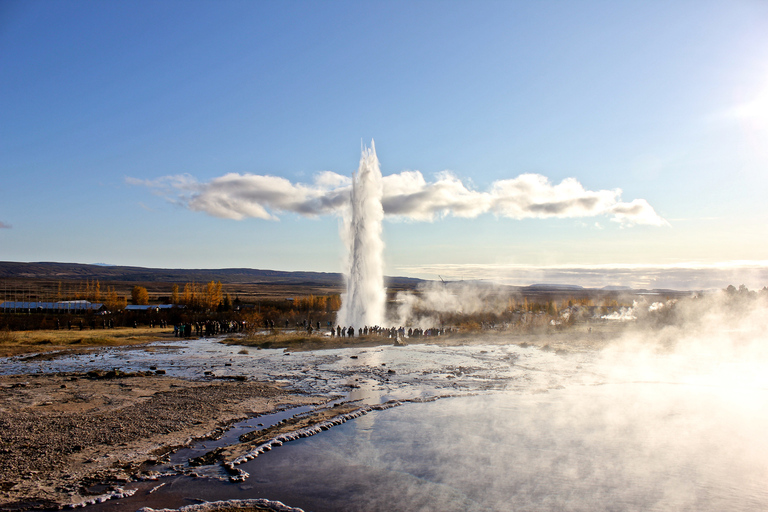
(178, 461)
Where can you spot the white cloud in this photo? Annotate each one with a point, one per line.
(4, 225)
(407, 195)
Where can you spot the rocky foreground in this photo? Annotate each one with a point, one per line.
(62, 434)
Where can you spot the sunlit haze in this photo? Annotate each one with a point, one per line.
(592, 143)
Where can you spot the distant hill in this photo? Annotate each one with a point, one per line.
(552, 287)
(81, 271)
(257, 283)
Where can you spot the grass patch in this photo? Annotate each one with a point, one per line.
(21, 342)
(6, 336)
(274, 340)
(302, 341)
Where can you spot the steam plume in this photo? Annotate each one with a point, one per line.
(364, 302)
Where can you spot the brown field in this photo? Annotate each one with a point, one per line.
(24, 342)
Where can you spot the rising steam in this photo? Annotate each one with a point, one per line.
(433, 303)
(407, 195)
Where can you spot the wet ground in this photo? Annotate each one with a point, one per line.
(371, 374)
(475, 427)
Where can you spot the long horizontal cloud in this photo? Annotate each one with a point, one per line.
(407, 195)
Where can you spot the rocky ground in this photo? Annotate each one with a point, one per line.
(65, 438)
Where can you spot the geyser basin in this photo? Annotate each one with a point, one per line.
(615, 447)
(634, 446)
(620, 429)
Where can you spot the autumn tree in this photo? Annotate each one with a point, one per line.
(190, 295)
(139, 295)
(333, 303)
(213, 295)
(113, 301)
(551, 308)
(175, 294)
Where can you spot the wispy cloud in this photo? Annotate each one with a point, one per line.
(407, 195)
(4, 225)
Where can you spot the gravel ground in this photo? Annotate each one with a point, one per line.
(62, 434)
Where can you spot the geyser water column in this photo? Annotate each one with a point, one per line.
(363, 303)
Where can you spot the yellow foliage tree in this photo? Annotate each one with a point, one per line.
(113, 301)
(213, 295)
(333, 303)
(189, 294)
(139, 295)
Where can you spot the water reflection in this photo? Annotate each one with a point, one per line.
(614, 447)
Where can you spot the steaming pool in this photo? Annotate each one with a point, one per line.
(518, 429)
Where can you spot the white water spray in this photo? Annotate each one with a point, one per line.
(364, 302)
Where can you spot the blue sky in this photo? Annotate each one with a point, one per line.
(666, 101)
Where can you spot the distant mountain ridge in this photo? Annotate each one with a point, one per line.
(552, 287)
(82, 271)
(320, 281)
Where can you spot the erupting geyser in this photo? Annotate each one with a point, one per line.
(363, 303)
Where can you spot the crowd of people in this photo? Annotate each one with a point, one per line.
(391, 332)
(216, 327)
(208, 328)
